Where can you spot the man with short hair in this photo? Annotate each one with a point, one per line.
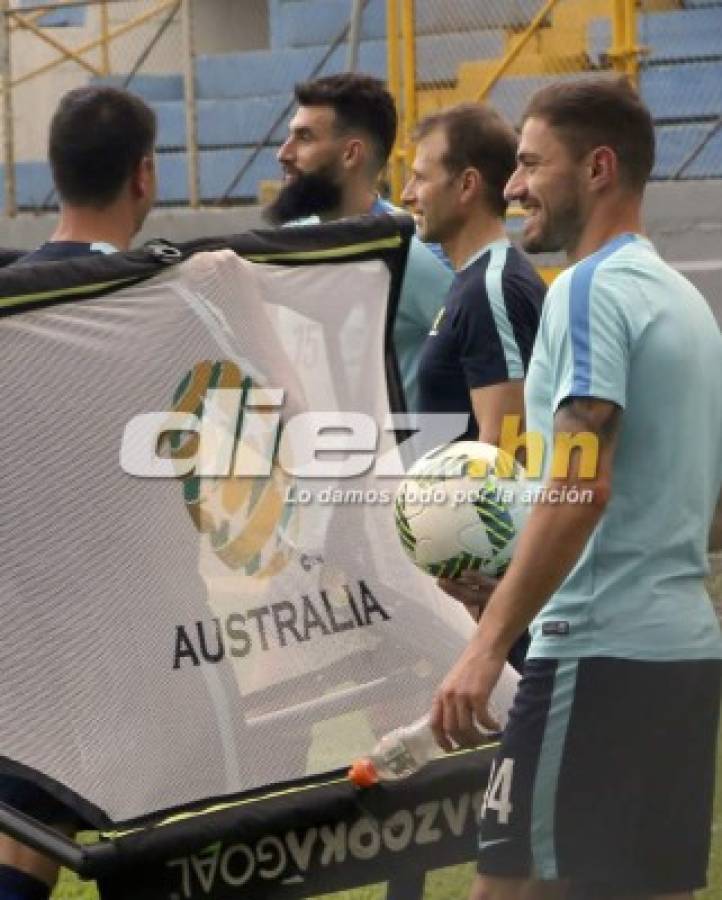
(603, 783)
(477, 353)
(340, 138)
(101, 151)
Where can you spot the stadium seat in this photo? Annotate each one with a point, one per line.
(219, 167)
(674, 144)
(511, 95)
(438, 56)
(314, 22)
(697, 4)
(266, 72)
(259, 73)
(320, 21)
(171, 124)
(33, 185)
(217, 170)
(149, 87)
(60, 18)
(708, 164)
(223, 123)
(679, 35)
(685, 91)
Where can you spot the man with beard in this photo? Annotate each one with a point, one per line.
(340, 138)
(602, 786)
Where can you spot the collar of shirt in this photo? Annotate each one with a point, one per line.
(501, 242)
(103, 247)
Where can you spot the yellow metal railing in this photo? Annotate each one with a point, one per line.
(27, 20)
(396, 166)
(624, 55)
(77, 54)
(506, 61)
(624, 52)
(408, 36)
(401, 58)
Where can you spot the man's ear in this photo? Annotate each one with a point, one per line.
(355, 154)
(603, 168)
(471, 184)
(143, 177)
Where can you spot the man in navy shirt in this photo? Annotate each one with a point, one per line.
(475, 357)
(477, 352)
(101, 152)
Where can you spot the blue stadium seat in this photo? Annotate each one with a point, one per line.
(677, 35)
(511, 95)
(217, 169)
(674, 145)
(709, 162)
(318, 22)
(172, 171)
(33, 185)
(259, 73)
(685, 91)
(171, 124)
(438, 55)
(223, 123)
(149, 87)
(314, 22)
(230, 123)
(71, 15)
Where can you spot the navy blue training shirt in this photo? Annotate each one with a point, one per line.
(485, 332)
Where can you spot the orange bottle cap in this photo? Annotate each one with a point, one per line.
(363, 773)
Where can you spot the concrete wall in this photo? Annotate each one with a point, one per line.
(219, 26)
(222, 26)
(683, 219)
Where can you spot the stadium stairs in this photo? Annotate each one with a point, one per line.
(240, 95)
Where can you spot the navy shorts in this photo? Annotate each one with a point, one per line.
(605, 776)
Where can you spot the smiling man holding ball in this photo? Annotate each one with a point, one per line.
(602, 786)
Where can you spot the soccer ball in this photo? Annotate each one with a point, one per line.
(461, 506)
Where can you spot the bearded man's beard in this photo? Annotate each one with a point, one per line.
(308, 194)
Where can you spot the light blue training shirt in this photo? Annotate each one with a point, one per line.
(423, 291)
(622, 325)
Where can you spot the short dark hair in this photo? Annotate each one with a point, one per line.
(600, 111)
(98, 136)
(477, 136)
(359, 101)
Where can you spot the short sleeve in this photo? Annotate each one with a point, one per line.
(477, 337)
(424, 288)
(496, 330)
(588, 334)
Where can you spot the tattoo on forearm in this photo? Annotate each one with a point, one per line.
(599, 417)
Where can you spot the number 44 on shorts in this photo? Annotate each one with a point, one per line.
(498, 790)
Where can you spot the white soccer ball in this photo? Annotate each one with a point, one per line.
(462, 506)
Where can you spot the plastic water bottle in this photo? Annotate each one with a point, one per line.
(404, 750)
(398, 754)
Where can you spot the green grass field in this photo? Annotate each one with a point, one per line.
(453, 883)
